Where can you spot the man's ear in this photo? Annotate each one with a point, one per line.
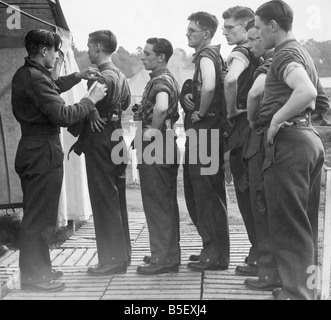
(206, 34)
(98, 47)
(43, 51)
(161, 57)
(274, 25)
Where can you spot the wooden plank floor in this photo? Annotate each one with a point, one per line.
(79, 252)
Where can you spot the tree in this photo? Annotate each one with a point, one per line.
(127, 62)
(321, 54)
(130, 63)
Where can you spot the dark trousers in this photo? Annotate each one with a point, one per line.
(39, 164)
(189, 193)
(205, 197)
(254, 158)
(106, 182)
(292, 171)
(239, 172)
(159, 196)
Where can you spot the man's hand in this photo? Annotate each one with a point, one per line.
(274, 129)
(97, 92)
(195, 117)
(252, 124)
(88, 74)
(188, 102)
(96, 123)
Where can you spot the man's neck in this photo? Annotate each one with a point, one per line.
(102, 60)
(160, 67)
(242, 42)
(202, 45)
(269, 54)
(38, 59)
(283, 37)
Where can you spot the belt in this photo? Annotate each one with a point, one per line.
(301, 120)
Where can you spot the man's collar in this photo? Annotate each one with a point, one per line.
(283, 44)
(210, 46)
(158, 72)
(106, 65)
(38, 66)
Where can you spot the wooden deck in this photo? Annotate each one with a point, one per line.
(79, 252)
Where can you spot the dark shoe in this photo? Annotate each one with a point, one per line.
(56, 274)
(276, 293)
(202, 266)
(107, 269)
(249, 270)
(3, 250)
(147, 259)
(154, 269)
(261, 285)
(194, 258)
(50, 286)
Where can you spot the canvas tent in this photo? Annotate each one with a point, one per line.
(45, 14)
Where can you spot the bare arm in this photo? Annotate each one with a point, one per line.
(231, 87)
(159, 114)
(254, 98)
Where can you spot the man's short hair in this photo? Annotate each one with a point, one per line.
(38, 38)
(206, 21)
(276, 10)
(106, 38)
(250, 25)
(161, 46)
(241, 13)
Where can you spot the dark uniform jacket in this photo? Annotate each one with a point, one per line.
(37, 104)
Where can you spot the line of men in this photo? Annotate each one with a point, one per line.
(262, 110)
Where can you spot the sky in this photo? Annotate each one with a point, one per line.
(134, 21)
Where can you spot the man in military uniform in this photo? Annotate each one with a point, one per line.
(294, 154)
(254, 154)
(40, 110)
(237, 83)
(157, 114)
(105, 168)
(205, 194)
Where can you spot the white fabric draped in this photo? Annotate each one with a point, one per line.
(74, 200)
